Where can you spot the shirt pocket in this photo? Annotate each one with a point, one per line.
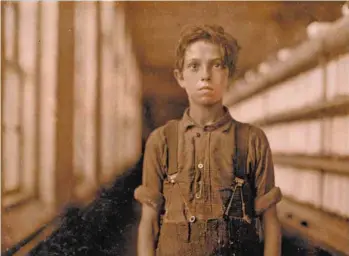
(222, 167)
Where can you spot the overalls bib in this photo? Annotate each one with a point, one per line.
(231, 230)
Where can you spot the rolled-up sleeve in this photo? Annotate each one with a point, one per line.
(150, 192)
(267, 194)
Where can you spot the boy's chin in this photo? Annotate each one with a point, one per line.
(207, 102)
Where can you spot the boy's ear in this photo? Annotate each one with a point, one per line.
(179, 77)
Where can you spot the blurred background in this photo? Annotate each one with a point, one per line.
(84, 83)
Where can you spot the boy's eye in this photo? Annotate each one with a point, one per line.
(193, 66)
(218, 65)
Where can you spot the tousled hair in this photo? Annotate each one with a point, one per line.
(213, 34)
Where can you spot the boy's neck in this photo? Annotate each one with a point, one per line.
(206, 115)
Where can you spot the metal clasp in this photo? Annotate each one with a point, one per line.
(172, 178)
(239, 181)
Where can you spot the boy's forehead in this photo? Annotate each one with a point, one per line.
(203, 49)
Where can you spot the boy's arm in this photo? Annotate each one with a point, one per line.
(272, 233)
(267, 194)
(147, 231)
(149, 194)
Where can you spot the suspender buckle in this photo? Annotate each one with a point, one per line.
(239, 181)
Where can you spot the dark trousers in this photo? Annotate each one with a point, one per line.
(203, 238)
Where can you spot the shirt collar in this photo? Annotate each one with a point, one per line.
(224, 122)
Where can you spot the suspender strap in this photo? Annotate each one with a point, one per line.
(171, 135)
(241, 150)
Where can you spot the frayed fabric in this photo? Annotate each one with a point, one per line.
(264, 202)
(146, 195)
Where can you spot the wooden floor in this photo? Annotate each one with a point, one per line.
(321, 229)
(41, 237)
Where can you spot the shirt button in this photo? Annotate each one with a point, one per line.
(198, 135)
(200, 166)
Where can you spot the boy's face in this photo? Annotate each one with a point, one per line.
(204, 76)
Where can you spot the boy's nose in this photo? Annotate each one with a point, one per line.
(206, 75)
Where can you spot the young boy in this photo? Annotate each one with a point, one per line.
(207, 178)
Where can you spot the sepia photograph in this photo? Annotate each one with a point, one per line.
(174, 128)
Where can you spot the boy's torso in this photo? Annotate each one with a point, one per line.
(204, 170)
(195, 191)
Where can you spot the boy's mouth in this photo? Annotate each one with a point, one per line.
(206, 87)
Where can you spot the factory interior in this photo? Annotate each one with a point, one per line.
(84, 84)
